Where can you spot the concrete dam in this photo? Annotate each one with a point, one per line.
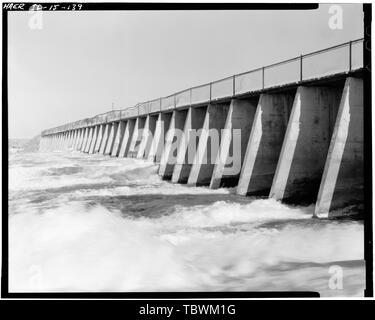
(292, 131)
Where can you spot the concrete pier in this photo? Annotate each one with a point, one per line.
(172, 141)
(147, 137)
(136, 137)
(208, 145)
(84, 139)
(118, 139)
(126, 140)
(69, 141)
(305, 146)
(111, 138)
(54, 142)
(233, 144)
(188, 144)
(342, 181)
(94, 139)
(63, 141)
(89, 139)
(264, 144)
(99, 138)
(58, 141)
(74, 138)
(161, 128)
(105, 136)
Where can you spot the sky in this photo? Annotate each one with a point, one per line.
(79, 63)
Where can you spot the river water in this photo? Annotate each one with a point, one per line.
(81, 222)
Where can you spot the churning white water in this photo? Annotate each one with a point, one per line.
(95, 223)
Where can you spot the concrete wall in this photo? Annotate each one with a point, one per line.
(89, 139)
(111, 138)
(84, 139)
(103, 145)
(188, 144)
(203, 165)
(161, 129)
(126, 140)
(305, 146)
(118, 139)
(233, 143)
(94, 139)
(72, 141)
(147, 137)
(136, 137)
(172, 141)
(342, 182)
(99, 139)
(75, 139)
(69, 139)
(264, 144)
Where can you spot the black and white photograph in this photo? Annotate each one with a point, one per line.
(187, 149)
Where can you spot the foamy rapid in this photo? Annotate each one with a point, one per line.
(94, 223)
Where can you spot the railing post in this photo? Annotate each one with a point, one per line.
(210, 91)
(300, 71)
(350, 55)
(160, 104)
(234, 85)
(174, 100)
(262, 77)
(191, 93)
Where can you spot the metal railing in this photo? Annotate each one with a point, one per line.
(342, 58)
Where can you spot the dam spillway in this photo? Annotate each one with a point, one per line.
(292, 131)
